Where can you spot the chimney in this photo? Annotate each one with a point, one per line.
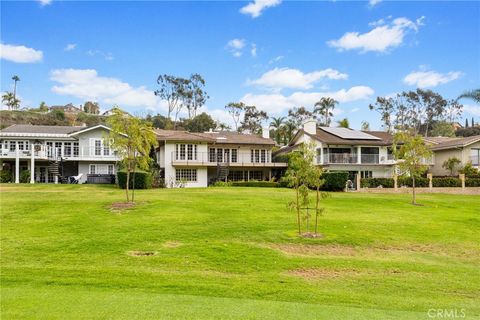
(310, 126)
(266, 133)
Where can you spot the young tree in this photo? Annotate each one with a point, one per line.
(133, 140)
(365, 126)
(235, 109)
(324, 108)
(10, 101)
(252, 120)
(451, 164)
(344, 123)
(412, 153)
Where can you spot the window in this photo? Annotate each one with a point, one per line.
(236, 175)
(252, 157)
(263, 157)
(220, 155)
(67, 148)
(106, 149)
(211, 155)
(475, 156)
(110, 169)
(20, 145)
(226, 155)
(234, 155)
(27, 145)
(189, 175)
(98, 147)
(75, 149)
(12, 145)
(185, 152)
(58, 149)
(366, 174)
(257, 156)
(49, 149)
(189, 152)
(256, 175)
(182, 152)
(93, 169)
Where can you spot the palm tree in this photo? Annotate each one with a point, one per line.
(277, 124)
(10, 101)
(15, 79)
(324, 108)
(472, 94)
(344, 123)
(289, 129)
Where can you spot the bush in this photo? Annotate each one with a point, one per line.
(25, 176)
(446, 182)
(143, 180)
(5, 176)
(222, 184)
(407, 181)
(258, 184)
(334, 181)
(377, 182)
(472, 182)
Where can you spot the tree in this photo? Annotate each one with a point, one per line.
(324, 108)
(472, 94)
(451, 164)
(466, 122)
(277, 125)
(365, 126)
(299, 115)
(133, 140)
(235, 109)
(344, 123)
(289, 130)
(252, 120)
(468, 132)
(43, 107)
(385, 107)
(159, 121)
(473, 123)
(15, 80)
(175, 91)
(412, 153)
(442, 129)
(195, 95)
(91, 107)
(223, 126)
(8, 98)
(201, 123)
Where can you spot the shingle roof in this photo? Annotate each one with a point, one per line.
(456, 143)
(328, 138)
(222, 137)
(28, 128)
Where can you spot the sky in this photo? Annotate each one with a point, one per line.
(272, 54)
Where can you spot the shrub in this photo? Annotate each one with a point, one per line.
(472, 182)
(222, 184)
(334, 181)
(258, 184)
(407, 181)
(468, 170)
(5, 176)
(25, 176)
(143, 180)
(377, 182)
(446, 182)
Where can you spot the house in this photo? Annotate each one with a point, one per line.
(367, 154)
(466, 149)
(198, 159)
(52, 154)
(69, 108)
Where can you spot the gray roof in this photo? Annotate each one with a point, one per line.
(453, 143)
(28, 128)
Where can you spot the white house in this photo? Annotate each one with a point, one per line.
(198, 159)
(56, 153)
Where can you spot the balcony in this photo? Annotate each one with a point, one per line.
(68, 153)
(353, 158)
(239, 160)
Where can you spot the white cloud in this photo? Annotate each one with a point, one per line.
(253, 50)
(475, 110)
(279, 78)
(277, 103)
(86, 84)
(45, 2)
(106, 55)
(276, 59)
(373, 3)
(235, 46)
(383, 37)
(20, 54)
(70, 47)
(426, 79)
(255, 8)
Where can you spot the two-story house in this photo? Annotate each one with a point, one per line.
(199, 159)
(53, 154)
(367, 154)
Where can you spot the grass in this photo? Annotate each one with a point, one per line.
(232, 253)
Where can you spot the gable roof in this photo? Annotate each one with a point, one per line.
(222, 137)
(30, 130)
(177, 135)
(323, 136)
(453, 143)
(86, 129)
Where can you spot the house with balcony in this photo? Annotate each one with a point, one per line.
(190, 159)
(54, 154)
(465, 149)
(367, 154)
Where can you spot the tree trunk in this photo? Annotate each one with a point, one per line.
(298, 212)
(413, 190)
(128, 181)
(133, 184)
(316, 209)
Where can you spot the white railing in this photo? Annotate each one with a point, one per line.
(208, 158)
(73, 152)
(353, 158)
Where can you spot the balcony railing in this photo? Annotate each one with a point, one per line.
(73, 152)
(240, 159)
(340, 158)
(352, 158)
(370, 158)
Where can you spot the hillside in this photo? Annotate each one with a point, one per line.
(55, 118)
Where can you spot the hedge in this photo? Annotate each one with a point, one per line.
(446, 182)
(334, 181)
(472, 182)
(377, 182)
(407, 181)
(143, 180)
(5, 176)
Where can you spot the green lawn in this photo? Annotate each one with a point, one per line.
(232, 253)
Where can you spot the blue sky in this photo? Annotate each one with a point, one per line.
(273, 54)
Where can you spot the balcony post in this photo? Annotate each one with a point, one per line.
(359, 155)
(32, 165)
(17, 163)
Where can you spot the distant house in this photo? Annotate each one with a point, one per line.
(465, 149)
(68, 108)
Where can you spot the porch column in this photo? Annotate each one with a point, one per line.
(359, 155)
(248, 175)
(32, 165)
(17, 163)
(270, 175)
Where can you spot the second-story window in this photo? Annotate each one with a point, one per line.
(185, 151)
(211, 155)
(75, 149)
(98, 147)
(58, 149)
(263, 157)
(67, 148)
(234, 155)
(106, 149)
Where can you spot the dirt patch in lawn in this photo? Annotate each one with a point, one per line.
(172, 244)
(317, 250)
(141, 253)
(319, 274)
(120, 206)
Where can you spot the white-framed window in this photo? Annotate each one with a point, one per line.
(92, 169)
(219, 155)
(106, 149)
(13, 145)
(75, 149)
(58, 149)
(226, 155)
(256, 175)
(185, 151)
(67, 149)
(257, 156)
(110, 169)
(20, 145)
(189, 152)
(263, 156)
(366, 174)
(234, 155)
(98, 147)
(211, 155)
(188, 175)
